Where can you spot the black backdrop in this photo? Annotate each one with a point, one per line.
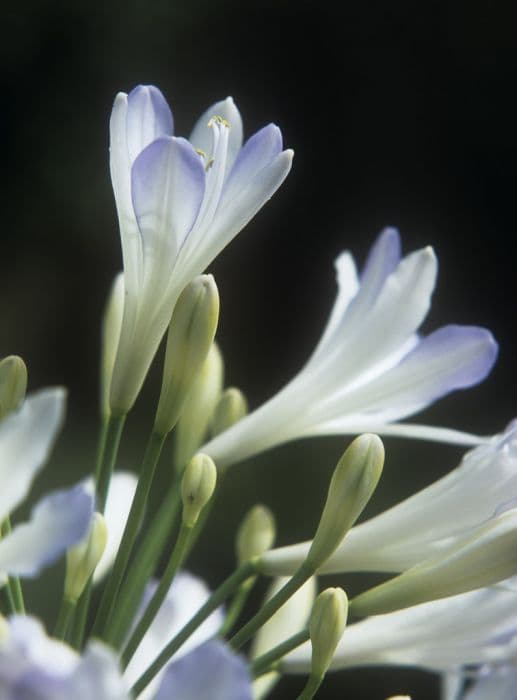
(400, 113)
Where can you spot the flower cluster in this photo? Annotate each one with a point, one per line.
(132, 622)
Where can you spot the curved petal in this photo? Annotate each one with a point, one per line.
(497, 684)
(201, 137)
(148, 118)
(210, 671)
(97, 676)
(187, 594)
(26, 438)
(57, 522)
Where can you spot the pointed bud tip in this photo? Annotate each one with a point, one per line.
(327, 625)
(197, 487)
(256, 534)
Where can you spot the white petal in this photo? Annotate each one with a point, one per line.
(148, 118)
(202, 138)
(187, 594)
(57, 522)
(26, 438)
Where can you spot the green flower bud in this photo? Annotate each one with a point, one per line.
(232, 406)
(111, 325)
(13, 384)
(352, 484)
(481, 557)
(198, 409)
(82, 559)
(191, 333)
(326, 627)
(197, 487)
(256, 534)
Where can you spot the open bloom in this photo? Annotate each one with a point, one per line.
(428, 522)
(59, 520)
(370, 367)
(473, 628)
(179, 204)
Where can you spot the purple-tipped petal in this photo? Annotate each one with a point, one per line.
(148, 118)
(210, 671)
(57, 523)
(168, 184)
(201, 136)
(383, 258)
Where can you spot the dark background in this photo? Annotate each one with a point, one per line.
(400, 113)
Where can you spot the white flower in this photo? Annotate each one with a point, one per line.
(370, 367)
(426, 523)
(179, 204)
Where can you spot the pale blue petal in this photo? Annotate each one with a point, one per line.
(168, 184)
(57, 522)
(202, 138)
(148, 118)
(499, 684)
(26, 438)
(210, 671)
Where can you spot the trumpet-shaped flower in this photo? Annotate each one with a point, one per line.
(59, 520)
(473, 628)
(179, 204)
(427, 522)
(370, 368)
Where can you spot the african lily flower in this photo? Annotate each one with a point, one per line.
(179, 204)
(370, 368)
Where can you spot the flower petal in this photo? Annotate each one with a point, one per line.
(168, 183)
(201, 137)
(57, 522)
(26, 438)
(148, 118)
(210, 671)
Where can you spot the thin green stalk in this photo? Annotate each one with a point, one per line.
(14, 587)
(215, 600)
(236, 606)
(10, 599)
(146, 557)
(110, 441)
(178, 555)
(66, 613)
(270, 608)
(268, 662)
(81, 614)
(134, 521)
(311, 688)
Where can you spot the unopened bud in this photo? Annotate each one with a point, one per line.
(111, 325)
(13, 384)
(353, 482)
(232, 406)
(326, 627)
(483, 556)
(82, 559)
(256, 534)
(198, 409)
(197, 487)
(191, 333)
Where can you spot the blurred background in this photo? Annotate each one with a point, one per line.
(400, 114)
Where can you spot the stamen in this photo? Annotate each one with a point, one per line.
(216, 119)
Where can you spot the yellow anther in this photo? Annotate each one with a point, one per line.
(200, 152)
(216, 119)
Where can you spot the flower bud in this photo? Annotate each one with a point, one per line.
(198, 408)
(191, 333)
(111, 325)
(231, 407)
(82, 559)
(326, 627)
(481, 557)
(256, 534)
(197, 487)
(353, 482)
(13, 384)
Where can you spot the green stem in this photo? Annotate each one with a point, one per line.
(14, 587)
(145, 558)
(236, 606)
(134, 521)
(109, 444)
(178, 555)
(272, 605)
(81, 614)
(66, 613)
(311, 688)
(267, 662)
(215, 600)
